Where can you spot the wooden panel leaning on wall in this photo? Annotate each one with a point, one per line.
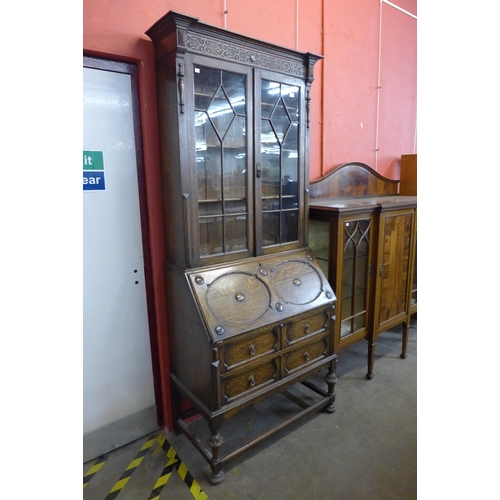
(408, 175)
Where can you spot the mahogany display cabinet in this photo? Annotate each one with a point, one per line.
(364, 236)
(250, 313)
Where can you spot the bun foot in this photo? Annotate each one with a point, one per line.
(216, 478)
(331, 408)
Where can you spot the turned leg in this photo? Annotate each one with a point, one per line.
(405, 340)
(371, 358)
(331, 380)
(215, 441)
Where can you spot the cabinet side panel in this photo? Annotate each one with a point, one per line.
(170, 159)
(189, 344)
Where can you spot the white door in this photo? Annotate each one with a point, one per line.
(118, 392)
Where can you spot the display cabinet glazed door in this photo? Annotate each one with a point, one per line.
(279, 156)
(250, 192)
(353, 277)
(222, 120)
(396, 239)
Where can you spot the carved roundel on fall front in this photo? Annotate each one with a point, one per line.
(296, 282)
(238, 298)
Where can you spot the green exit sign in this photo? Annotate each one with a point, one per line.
(93, 160)
(93, 171)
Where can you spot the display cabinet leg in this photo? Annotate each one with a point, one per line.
(371, 359)
(405, 340)
(215, 441)
(331, 380)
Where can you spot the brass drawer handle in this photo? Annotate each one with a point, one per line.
(308, 328)
(252, 350)
(251, 381)
(306, 356)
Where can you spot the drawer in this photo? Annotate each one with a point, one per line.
(305, 355)
(259, 376)
(306, 327)
(250, 349)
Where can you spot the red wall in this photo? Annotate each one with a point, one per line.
(351, 117)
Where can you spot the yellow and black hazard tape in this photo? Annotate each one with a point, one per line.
(94, 469)
(194, 487)
(120, 484)
(165, 475)
(175, 461)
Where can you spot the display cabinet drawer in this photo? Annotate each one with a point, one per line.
(250, 380)
(250, 349)
(305, 354)
(306, 327)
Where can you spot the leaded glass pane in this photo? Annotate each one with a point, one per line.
(206, 84)
(270, 228)
(211, 235)
(280, 120)
(280, 160)
(270, 92)
(290, 226)
(221, 159)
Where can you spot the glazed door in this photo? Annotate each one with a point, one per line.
(353, 277)
(279, 162)
(394, 268)
(249, 153)
(222, 118)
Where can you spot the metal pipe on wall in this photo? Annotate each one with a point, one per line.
(296, 24)
(322, 123)
(399, 8)
(378, 85)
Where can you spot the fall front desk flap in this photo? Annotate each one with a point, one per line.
(259, 291)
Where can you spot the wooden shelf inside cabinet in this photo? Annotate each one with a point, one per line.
(375, 283)
(253, 312)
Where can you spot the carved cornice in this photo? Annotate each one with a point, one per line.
(241, 54)
(191, 35)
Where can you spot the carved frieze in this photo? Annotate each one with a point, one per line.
(241, 54)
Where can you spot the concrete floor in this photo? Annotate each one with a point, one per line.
(367, 449)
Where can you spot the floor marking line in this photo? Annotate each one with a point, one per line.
(182, 470)
(120, 484)
(94, 469)
(162, 480)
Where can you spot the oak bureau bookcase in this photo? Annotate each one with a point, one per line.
(250, 311)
